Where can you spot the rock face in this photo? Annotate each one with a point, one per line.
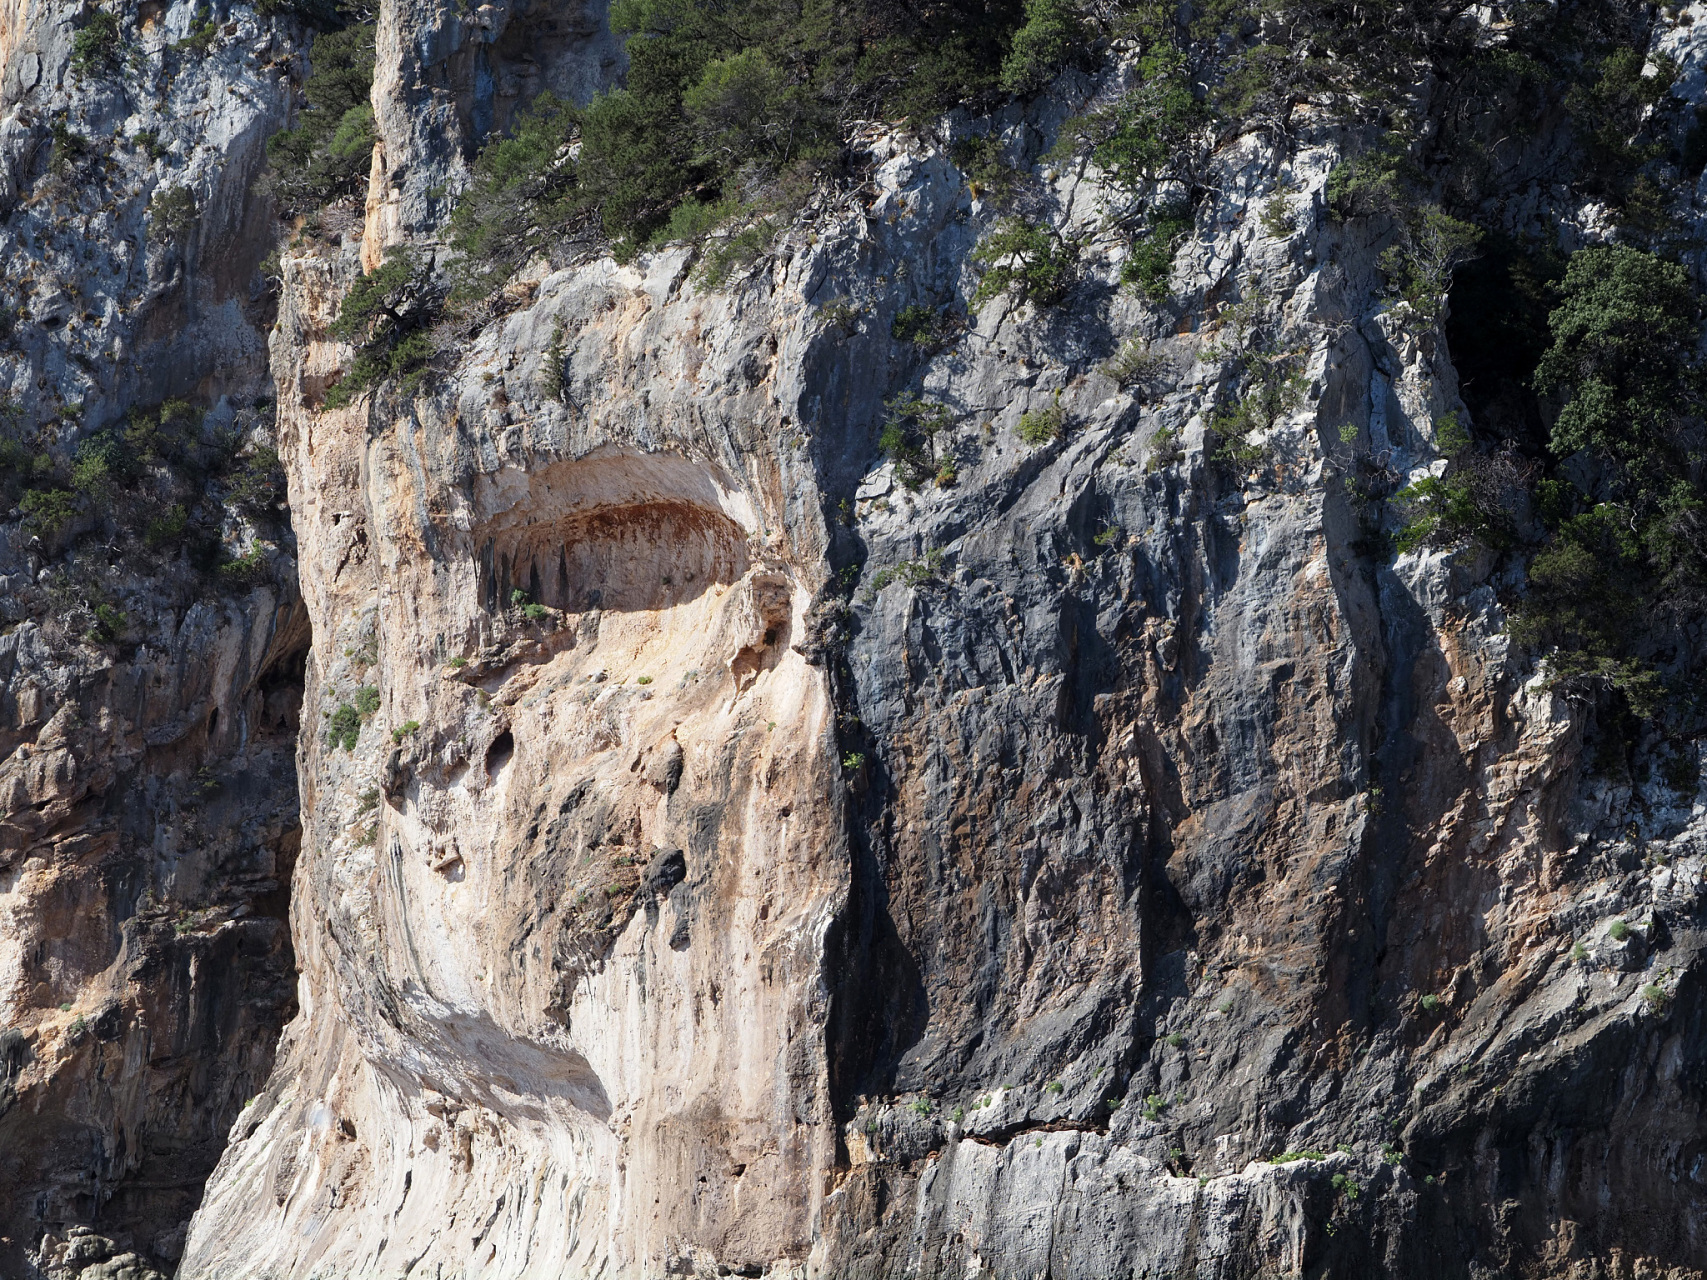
(670, 905)
(719, 857)
(148, 802)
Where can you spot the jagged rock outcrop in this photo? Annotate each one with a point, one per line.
(148, 803)
(666, 908)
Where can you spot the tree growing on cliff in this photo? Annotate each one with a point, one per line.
(385, 316)
(327, 155)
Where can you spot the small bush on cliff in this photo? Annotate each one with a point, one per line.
(384, 316)
(523, 191)
(910, 437)
(1052, 34)
(1029, 261)
(326, 156)
(171, 215)
(98, 48)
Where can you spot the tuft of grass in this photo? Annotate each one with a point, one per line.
(1291, 1157)
(403, 730)
(1618, 930)
(1054, 1086)
(1655, 997)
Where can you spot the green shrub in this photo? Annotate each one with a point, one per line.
(1144, 135)
(735, 252)
(1029, 261)
(1624, 337)
(1618, 930)
(1042, 426)
(1431, 247)
(246, 570)
(1345, 1185)
(1608, 115)
(47, 512)
(1430, 1003)
(70, 149)
(1042, 47)
(1655, 997)
(202, 35)
(1150, 261)
(919, 325)
(522, 188)
(171, 214)
(1291, 1157)
(404, 730)
(1054, 1086)
(911, 435)
(327, 155)
(367, 700)
(345, 727)
(383, 316)
(98, 47)
(914, 573)
(257, 487)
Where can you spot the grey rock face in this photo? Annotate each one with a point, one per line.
(148, 801)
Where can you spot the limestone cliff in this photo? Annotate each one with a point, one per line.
(727, 851)
(1126, 825)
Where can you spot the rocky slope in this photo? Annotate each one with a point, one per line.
(678, 910)
(719, 857)
(148, 801)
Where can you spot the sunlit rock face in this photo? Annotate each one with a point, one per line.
(719, 857)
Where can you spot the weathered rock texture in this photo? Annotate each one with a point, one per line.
(148, 805)
(717, 857)
(1002, 921)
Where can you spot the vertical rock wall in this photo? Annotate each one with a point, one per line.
(148, 801)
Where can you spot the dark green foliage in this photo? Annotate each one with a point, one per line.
(910, 437)
(1608, 114)
(171, 214)
(47, 512)
(70, 149)
(922, 326)
(1431, 246)
(257, 486)
(328, 154)
(1623, 352)
(729, 112)
(1042, 426)
(523, 189)
(1052, 34)
(1584, 604)
(1150, 262)
(345, 728)
(202, 35)
(982, 160)
(384, 316)
(1144, 136)
(98, 48)
(1030, 261)
(1266, 381)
